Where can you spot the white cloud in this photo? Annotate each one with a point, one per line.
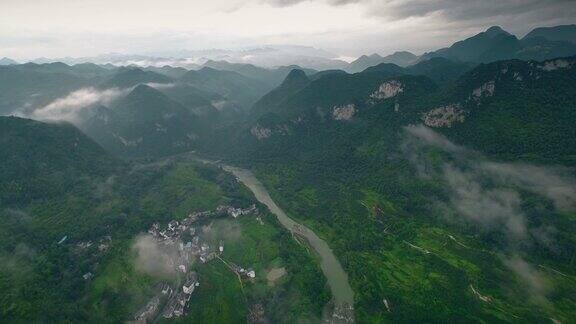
(488, 193)
(348, 27)
(71, 107)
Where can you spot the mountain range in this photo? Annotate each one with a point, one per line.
(445, 183)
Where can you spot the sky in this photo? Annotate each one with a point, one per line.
(349, 28)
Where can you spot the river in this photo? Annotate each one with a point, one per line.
(336, 276)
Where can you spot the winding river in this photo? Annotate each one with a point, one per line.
(331, 267)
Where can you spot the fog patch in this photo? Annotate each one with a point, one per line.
(222, 230)
(489, 195)
(72, 107)
(153, 258)
(488, 207)
(160, 86)
(555, 184)
(536, 284)
(105, 188)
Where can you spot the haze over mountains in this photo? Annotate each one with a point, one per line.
(493, 44)
(444, 184)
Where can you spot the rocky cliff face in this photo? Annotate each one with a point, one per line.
(388, 90)
(485, 90)
(556, 64)
(345, 112)
(444, 116)
(260, 132)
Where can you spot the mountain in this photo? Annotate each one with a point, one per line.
(271, 76)
(63, 150)
(440, 70)
(199, 102)
(387, 167)
(232, 86)
(333, 97)
(169, 71)
(399, 58)
(29, 86)
(509, 81)
(470, 49)
(335, 88)
(126, 77)
(564, 33)
(144, 123)
(7, 61)
(496, 44)
(294, 82)
(364, 62)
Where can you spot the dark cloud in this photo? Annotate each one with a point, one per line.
(472, 9)
(286, 3)
(517, 15)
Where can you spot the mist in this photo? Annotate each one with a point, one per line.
(154, 259)
(73, 107)
(489, 195)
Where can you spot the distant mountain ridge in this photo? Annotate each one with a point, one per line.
(496, 44)
(403, 58)
(563, 33)
(7, 61)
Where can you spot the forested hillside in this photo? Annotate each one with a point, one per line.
(454, 194)
(72, 216)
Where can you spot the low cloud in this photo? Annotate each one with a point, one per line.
(72, 107)
(158, 260)
(223, 229)
(554, 183)
(489, 195)
(489, 207)
(467, 166)
(536, 284)
(161, 86)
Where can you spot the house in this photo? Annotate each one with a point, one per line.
(166, 289)
(173, 225)
(191, 283)
(170, 308)
(88, 276)
(148, 311)
(251, 273)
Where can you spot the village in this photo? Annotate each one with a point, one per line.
(172, 300)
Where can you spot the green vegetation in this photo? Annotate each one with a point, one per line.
(385, 207)
(300, 294)
(98, 200)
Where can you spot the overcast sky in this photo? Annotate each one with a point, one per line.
(58, 28)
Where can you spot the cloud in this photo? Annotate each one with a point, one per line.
(554, 183)
(161, 86)
(348, 27)
(452, 10)
(155, 259)
(488, 193)
(536, 284)
(490, 207)
(471, 9)
(287, 3)
(71, 107)
(430, 137)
